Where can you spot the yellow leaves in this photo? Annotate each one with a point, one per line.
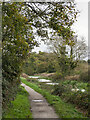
(25, 19)
(26, 43)
(58, 31)
(71, 43)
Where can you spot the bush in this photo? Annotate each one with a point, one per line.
(59, 90)
(56, 77)
(15, 49)
(80, 99)
(84, 76)
(77, 97)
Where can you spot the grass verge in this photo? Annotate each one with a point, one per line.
(20, 107)
(64, 110)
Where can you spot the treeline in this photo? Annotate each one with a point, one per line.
(44, 62)
(49, 62)
(40, 62)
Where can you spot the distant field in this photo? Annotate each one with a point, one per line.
(82, 67)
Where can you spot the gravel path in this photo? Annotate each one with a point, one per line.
(39, 106)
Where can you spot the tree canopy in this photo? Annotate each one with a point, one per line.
(16, 42)
(58, 16)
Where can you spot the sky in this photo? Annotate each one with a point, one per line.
(80, 27)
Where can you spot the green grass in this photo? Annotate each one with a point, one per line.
(20, 107)
(64, 110)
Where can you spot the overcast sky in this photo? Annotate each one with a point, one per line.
(80, 27)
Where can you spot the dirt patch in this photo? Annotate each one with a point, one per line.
(75, 77)
(24, 75)
(45, 74)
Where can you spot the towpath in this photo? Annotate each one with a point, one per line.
(39, 106)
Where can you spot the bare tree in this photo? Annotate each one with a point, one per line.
(80, 49)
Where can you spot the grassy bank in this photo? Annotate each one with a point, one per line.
(20, 107)
(64, 110)
(70, 91)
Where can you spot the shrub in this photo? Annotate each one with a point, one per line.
(84, 76)
(77, 97)
(80, 99)
(56, 77)
(59, 89)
